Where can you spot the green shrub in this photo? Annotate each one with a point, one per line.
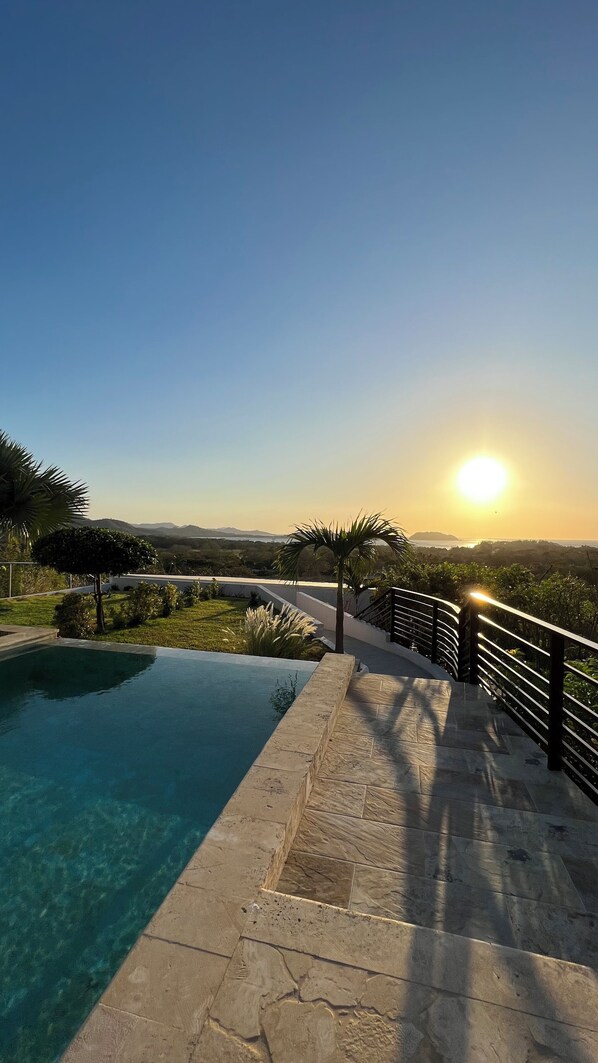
(270, 634)
(214, 588)
(255, 601)
(75, 616)
(170, 599)
(144, 603)
(192, 594)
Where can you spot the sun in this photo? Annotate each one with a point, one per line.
(482, 479)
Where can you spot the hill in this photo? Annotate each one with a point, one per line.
(185, 531)
(433, 536)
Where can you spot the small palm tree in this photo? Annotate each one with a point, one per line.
(358, 540)
(34, 500)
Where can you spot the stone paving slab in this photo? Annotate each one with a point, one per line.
(309, 983)
(448, 837)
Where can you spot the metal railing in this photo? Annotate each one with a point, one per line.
(7, 583)
(545, 677)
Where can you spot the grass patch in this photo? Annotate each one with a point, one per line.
(201, 627)
(36, 612)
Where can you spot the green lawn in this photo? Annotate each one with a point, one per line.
(35, 611)
(201, 627)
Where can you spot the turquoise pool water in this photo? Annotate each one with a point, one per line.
(113, 765)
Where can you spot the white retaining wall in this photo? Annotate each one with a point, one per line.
(237, 586)
(357, 629)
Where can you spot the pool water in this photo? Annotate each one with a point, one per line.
(113, 765)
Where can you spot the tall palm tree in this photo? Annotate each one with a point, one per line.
(34, 500)
(358, 540)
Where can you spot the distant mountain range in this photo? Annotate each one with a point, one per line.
(434, 537)
(186, 531)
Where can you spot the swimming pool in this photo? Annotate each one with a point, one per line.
(113, 766)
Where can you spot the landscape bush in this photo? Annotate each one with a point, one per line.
(192, 594)
(171, 599)
(75, 616)
(144, 603)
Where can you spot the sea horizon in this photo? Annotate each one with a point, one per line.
(428, 544)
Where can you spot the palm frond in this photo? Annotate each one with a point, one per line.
(361, 538)
(33, 500)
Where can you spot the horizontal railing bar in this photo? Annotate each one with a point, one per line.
(543, 709)
(425, 617)
(430, 597)
(521, 678)
(587, 745)
(512, 635)
(582, 723)
(522, 714)
(580, 705)
(510, 658)
(585, 782)
(593, 768)
(578, 639)
(448, 630)
(583, 675)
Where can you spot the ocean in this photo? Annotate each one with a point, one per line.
(434, 544)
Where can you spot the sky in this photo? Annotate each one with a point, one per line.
(264, 261)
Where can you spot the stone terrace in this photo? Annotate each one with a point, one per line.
(398, 879)
(438, 904)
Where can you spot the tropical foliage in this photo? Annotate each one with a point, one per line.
(34, 500)
(357, 542)
(74, 616)
(96, 551)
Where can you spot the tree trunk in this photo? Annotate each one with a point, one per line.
(340, 612)
(100, 623)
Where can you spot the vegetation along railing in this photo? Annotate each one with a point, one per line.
(545, 677)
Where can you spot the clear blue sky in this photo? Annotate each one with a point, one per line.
(265, 260)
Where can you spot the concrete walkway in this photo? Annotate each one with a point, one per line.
(382, 662)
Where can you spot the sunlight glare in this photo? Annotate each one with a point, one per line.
(482, 479)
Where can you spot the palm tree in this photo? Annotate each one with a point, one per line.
(34, 500)
(358, 540)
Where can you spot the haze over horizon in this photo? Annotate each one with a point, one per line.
(267, 262)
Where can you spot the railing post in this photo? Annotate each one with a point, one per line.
(556, 686)
(10, 580)
(474, 630)
(434, 648)
(392, 614)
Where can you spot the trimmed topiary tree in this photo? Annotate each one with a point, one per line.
(96, 551)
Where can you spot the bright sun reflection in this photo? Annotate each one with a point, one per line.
(482, 479)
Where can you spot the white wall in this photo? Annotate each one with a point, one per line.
(357, 629)
(236, 586)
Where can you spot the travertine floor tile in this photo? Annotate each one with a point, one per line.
(501, 868)
(201, 919)
(568, 935)
(332, 795)
(585, 878)
(369, 771)
(506, 977)
(465, 786)
(317, 877)
(167, 983)
(360, 841)
(422, 812)
(457, 909)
